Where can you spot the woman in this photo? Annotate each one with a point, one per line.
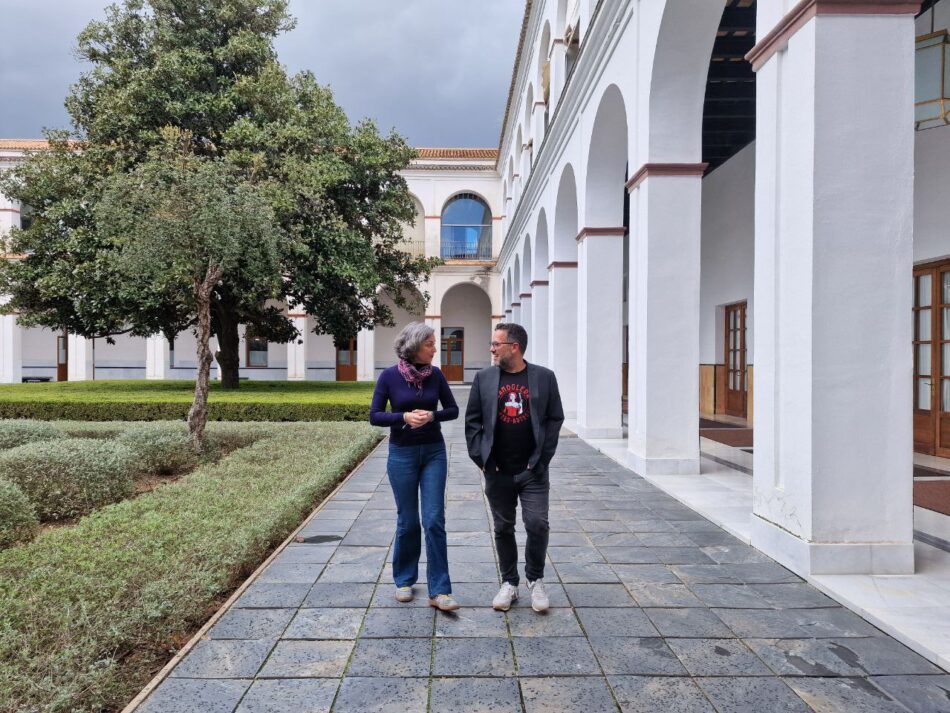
(417, 461)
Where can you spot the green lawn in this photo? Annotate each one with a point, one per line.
(90, 612)
(140, 400)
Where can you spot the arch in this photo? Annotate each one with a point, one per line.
(565, 218)
(544, 52)
(541, 251)
(466, 230)
(507, 303)
(607, 162)
(678, 77)
(466, 307)
(415, 234)
(383, 354)
(516, 279)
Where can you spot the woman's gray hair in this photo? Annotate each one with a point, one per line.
(411, 339)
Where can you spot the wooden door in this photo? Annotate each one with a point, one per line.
(737, 387)
(453, 353)
(346, 362)
(932, 359)
(62, 358)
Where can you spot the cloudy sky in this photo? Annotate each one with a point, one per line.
(436, 70)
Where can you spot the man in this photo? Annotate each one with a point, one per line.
(512, 424)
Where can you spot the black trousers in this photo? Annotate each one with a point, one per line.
(503, 492)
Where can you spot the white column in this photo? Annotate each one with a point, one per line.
(562, 330)
(366, 355)
(539, 128)
(516, 312)
(832, 484)
(435, 321)
(81, 358)
(157, 357)
(525, 298)
(600, 333)
(11, 348)
(558, 68)
(663, 380)
(297, 349)
(538, 337)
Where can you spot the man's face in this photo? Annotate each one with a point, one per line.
(503, 352)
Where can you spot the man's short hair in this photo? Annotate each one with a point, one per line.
(516, 333)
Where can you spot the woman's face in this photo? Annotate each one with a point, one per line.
(426, 352)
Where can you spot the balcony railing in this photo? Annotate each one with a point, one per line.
(416, 248)
(466, 243)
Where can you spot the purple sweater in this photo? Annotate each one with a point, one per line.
(391, 387)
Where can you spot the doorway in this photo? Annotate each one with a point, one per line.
(737, 388)
(932, 359)
(346, 361)
(453, 353)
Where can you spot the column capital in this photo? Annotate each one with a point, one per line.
(799, 16)
(562, 263)
(667, 170)
(536, 283)
(600, 232)
(525, 295)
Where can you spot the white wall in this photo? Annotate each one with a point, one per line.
(728, 242)
(39, 352)
(123, 360)
(385, 336)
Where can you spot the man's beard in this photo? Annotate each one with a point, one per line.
(503, 362)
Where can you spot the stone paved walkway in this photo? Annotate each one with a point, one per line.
(653, 609)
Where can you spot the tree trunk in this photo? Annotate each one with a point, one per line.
(198, 413)
(229, 343)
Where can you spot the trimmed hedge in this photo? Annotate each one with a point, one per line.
(71, 476)
(16, 432)
(18, 521)
(161, 448)
(139, 400)
(91, 612)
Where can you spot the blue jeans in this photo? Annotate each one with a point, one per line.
(415, 469)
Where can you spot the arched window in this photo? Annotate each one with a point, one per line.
(466, 229)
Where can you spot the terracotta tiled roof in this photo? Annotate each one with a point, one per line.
(486, 154)
(23, 144)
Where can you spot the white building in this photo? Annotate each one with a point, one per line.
(687, 192)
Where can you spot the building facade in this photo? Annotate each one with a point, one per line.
(697, 207)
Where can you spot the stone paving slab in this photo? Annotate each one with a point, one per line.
(653, 609)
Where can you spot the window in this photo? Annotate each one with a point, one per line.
(466, 229)
(256, 350)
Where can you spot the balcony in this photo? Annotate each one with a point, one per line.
(466, 243)
(415, 248)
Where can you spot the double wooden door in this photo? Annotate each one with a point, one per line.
(737, 376)
(932, 359)
(453, 353)
(346, 361)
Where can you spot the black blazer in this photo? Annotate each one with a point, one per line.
(547, 414)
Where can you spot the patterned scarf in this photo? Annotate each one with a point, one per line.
(412, 375)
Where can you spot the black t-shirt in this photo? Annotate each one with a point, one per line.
(514, 439)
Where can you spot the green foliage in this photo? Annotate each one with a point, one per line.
(141, 400)
(90, 612)
(71, 476)
(18, 521)
(16, 432)
(162, 448)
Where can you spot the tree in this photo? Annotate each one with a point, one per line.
(185, 226)
(209, 68)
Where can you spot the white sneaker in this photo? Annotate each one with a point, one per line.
(506, 595)
(539, 598)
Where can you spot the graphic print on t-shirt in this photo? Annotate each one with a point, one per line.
(514, 400)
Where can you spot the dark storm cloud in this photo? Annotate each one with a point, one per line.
(435, 70)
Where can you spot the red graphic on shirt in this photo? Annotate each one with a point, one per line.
(514, 400)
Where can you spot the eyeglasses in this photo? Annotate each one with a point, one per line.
(495, 345)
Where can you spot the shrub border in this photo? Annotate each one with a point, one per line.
(139, 699)
(177, 411)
